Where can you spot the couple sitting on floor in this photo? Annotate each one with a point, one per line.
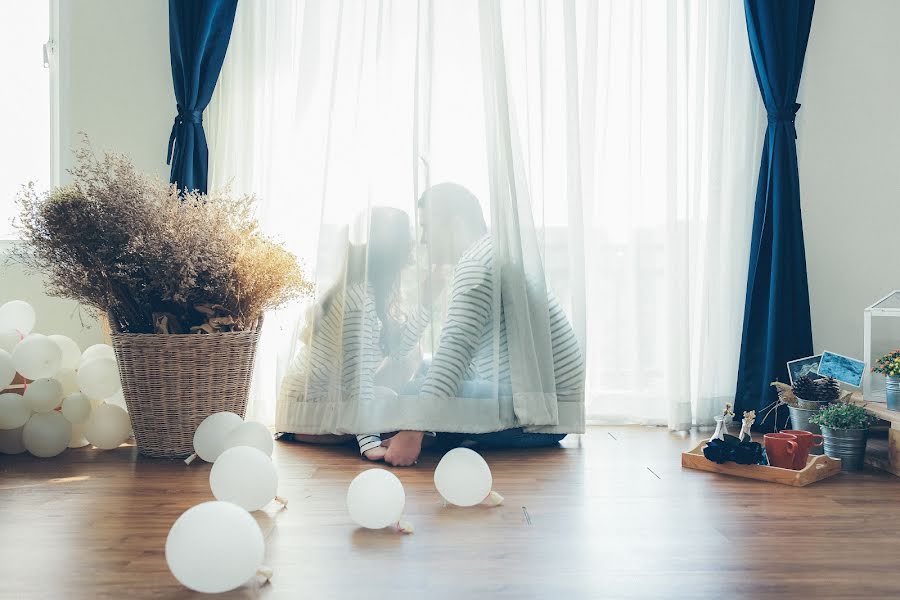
(355, 343)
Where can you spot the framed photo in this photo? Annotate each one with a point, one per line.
(843, 368)
(804, 367)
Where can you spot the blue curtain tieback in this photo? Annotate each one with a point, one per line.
(183, 116)
(785, 115)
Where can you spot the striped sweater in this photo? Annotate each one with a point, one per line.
(351, 330)
(466, 348)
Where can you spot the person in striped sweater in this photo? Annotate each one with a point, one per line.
(356, 326)
(465, 353)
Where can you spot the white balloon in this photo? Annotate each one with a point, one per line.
(250, 433)
(107, 427)
(9, 338)
(77, 439)
(209, 439)
(214, 547)
(463, 477)
(71, 353)
(97, 351)
(37, 357)
(244, 476)
(7, 369)
(68, 379)
(11, 441)
(43, 395)
(19, 315)
(375, 499)
(46, 434)
(14, 411)
(76, 408)
(99, 377)
(118, 399)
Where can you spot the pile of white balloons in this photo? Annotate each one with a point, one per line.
(217, 546)
(69, 399)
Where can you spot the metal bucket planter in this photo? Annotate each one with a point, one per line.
(811, 404)
(892, 391)
(800, 420)
(849, 445)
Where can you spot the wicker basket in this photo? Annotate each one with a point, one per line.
(172, 382)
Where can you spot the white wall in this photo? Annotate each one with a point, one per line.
(849, 147)
(116, 86)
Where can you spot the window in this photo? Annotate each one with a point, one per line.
(25, 154)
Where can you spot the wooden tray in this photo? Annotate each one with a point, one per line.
(817, 468)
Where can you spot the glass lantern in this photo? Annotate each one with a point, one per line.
(881, 334)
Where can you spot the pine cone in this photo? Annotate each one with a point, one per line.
(806, 388)
(829, 390)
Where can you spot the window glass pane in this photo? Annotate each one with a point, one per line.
(25, 104)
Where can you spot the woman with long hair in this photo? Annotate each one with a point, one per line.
(350, 332)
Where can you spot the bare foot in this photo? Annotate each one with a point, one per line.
(403, 449)
(375, 454)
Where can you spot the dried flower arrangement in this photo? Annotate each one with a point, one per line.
(154, 260)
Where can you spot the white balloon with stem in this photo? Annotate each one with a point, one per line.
(97, 351)
(71, 353)
(9, 338)
(37, 357)
(209, 439)
(215, 547)
(7, 369)
(375, 499)
(43, 395)
(18, 315)
(107, 427)
(245, 476)
(46, 434)
(14, 411)
(68, 378)
(77, 439)
(99, 377)
(251, 433)
(76, 408)
(463, 478)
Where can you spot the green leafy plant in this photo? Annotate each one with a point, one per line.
(889, 364)
(843, 415)
(817, 390)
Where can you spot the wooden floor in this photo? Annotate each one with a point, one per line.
(609, 515)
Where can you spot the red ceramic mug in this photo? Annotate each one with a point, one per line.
(806, 441)
(781, 449)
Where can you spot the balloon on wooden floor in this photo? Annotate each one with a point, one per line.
(463, 478)
(375, 500)
(244, 476)
(215, 547)
(209, 439)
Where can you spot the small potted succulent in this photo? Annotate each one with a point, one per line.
(815, 394)
(845, 427)
(889, 366)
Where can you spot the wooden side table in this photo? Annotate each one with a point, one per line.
(880, 453)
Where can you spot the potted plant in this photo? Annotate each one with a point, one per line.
(889, 366)
(183, 278)
(845, 427)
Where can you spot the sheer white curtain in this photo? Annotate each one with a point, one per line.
(627, 131)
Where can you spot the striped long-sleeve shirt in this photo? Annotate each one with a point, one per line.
(344, 352)
(466, 347)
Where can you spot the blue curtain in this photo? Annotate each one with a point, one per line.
(776, 310)
(199, 31)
